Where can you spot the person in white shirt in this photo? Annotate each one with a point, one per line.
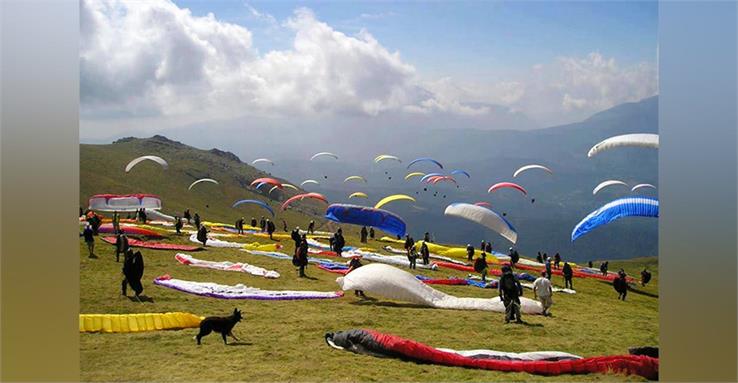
(543, 291)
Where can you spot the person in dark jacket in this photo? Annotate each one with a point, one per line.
(339, 242)
(116, 223)
(202, 234)
(590, 265)
(364, 234)
(412, 257)
(470, 252)
(514, 257)
(539, 257)
(95, 221)
(557, 260)
(270, 228)
(603, 268)
(409, 243)
(178, 225)
(620, 284)
(284, 226)
(488, 248)
(311, 227)
(354, 264)
(645, 277)
(186, 215)
(263, 224)
(371, 232)
(480, 266)
(568, 274)
(142, 216)
(121, 245)
(133, 269)
(548, 268)
(253, 222)
(510, 292)
(89, 236)
(301, 256)
(425, 253)
(426, 237)
(295, 235)
(196, 220)
(483, 246)
(239, 225)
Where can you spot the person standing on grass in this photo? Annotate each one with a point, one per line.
(483, 246)
(262, 224)
(603, 268)
(339, 242)
(302, 256)
(539, 257)
(253, 222)
(295, 235)
(133, 268)
(311, 227)
(425, 253)
(620, 284)
(186, 215)
(202, 234)
(121, 245)
(480, 266)
(568, 273)
(488, 248)
(364, 234)
(548, 268)
(116, 222)
(178, 224)
(470, 252)
(543, 291)
(371, 233)
(426, 237)
(196, 219)
(645, 277)
(409, 243)
(270, 228)
(514, 257)
(354, 264)
(412, 257)
(557, 260)
(510, 292)
(239, 225)
(284, 226)
(89, 236)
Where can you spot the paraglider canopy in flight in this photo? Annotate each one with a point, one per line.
(414, 174)
(424, 159)
(355, 178)
(366, 216)
(623, 207)
(291, 186)
(303, 183)
(266, 160)
(392, 198)
(358, 194)
(459, 171)
(644, 140)
(254, 202)
(300, 197)
(529, 167)
(484, 217)
(383, 157)
(506, 185)
(639, 186)
(607, 183)
(156, 159)
(202, 180)
(323, 154)
(261, 181)
(430, 175)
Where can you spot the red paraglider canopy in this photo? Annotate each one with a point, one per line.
(506, 185)
(271, 181)
(317, 196)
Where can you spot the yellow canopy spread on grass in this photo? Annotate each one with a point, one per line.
(137, 322)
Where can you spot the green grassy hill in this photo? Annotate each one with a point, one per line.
(102, 170)
(283, 340)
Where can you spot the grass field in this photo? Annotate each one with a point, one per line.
(283, 340)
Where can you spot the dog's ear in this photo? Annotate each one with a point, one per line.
(235, 311)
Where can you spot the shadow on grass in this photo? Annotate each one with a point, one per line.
(635, 291)
(374, 302)
(141, 298)
(240, 343)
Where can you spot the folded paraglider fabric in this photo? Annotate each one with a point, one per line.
(237, 245)
(240, 291)
(393, 283)
(107, 228)
(227, 266)
(550, 363)
(153, 245)
(137, 322)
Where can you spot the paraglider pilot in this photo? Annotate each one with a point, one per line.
(133, 268)
(510, 292)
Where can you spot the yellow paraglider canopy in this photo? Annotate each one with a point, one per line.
(414, 174)
(358, 194)
(392, 198)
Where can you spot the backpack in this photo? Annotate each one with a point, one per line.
(479, 265)
(508, 284)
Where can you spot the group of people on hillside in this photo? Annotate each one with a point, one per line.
(412, 251)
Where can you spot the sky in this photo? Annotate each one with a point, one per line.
(153, 67)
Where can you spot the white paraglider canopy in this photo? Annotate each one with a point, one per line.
(644, 140)
(484, 217)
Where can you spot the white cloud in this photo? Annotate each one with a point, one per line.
(143, 61)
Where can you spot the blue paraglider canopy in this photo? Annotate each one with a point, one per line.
(424, 159)
(255, 202)
(623, 207)
(366, 216)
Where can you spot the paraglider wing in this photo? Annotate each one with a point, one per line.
(258, 160)
(303, 183)
(607, 183)
(623, 207)
(300, 197)
(487, 204)
(435, 180)
(392, 198)
(644, 140)
(484, 217)
(254, 202)
(429, 175)
(358, 194)
(424, 159)
(273, 188)
(414, 174)
(202, 180)
(261, 181)
(124, 202)
(156, 159)
(506, 185)
(382, 157)
(459, 171)
(355, 178)
(529, 167)
(643, 186)
(366, 216)
(323, 154)
(293, 187)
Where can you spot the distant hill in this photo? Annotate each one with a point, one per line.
(102, 171)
